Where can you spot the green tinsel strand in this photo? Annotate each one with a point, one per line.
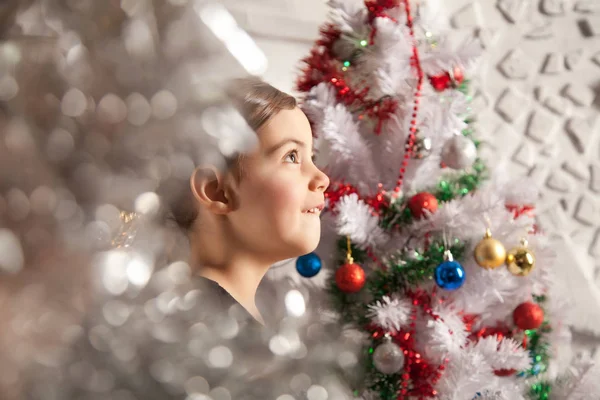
(404, 272)
(464, 87)
(449, 189)
(540, 391)
(539, 350)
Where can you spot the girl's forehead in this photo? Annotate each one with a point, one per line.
(286, 125)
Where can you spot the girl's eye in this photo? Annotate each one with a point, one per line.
(292, 157)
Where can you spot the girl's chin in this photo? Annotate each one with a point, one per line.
(306, 245)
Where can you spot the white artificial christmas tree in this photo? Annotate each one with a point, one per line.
(440, 262)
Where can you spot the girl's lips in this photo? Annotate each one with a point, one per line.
(314, 210)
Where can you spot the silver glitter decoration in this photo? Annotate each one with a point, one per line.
(102, 103)
(459, 152)
(388, 358)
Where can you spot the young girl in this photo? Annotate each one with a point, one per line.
(264, 208)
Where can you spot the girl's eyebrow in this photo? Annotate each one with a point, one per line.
(283, 143)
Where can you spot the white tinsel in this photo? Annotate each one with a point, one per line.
(350, 153)
(445, 56)
(504, 354)
(446, 335)
(356, 220)
(390, 313)
(349, 15)
(390, 58)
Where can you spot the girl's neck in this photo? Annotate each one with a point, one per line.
(240, 281)
(216, 255)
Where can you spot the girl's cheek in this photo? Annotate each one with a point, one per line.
(284, 193)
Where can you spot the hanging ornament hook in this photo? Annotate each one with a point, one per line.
(349, 258)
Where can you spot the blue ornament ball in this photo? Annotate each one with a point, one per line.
(450, 275)
(308, 265)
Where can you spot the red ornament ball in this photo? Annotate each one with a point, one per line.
(350, 278)
(421, 202)
(528, 315)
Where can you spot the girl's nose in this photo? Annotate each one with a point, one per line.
(320, 182)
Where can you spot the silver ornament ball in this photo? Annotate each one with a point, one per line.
(421, 148)
(388, 358)
(459, 152)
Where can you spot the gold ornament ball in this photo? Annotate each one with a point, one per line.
(520, 261)
(489, 252)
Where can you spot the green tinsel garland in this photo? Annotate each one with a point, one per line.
(539, 351)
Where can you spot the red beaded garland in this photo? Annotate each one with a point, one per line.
(410, 141)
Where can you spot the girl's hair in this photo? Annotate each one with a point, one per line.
(257, 102)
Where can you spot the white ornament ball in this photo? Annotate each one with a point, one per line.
(459, 152)
(388, 358)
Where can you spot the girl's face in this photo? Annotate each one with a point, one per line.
(281, 192)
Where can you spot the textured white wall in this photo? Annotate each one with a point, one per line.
(537, 101)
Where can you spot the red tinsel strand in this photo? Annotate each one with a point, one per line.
(424, 376)
(413, 123)
(469, 320)
(519, 211)
(330, 33)
(377, 8)
(345, 93)
(319, 66)
(418, 377)
(336, 191)
(500, 331)
(382, 111)
(321, 62)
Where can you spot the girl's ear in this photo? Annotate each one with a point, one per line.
(210, 189)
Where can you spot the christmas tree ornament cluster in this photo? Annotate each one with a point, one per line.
(308, 265)
(490, 254)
